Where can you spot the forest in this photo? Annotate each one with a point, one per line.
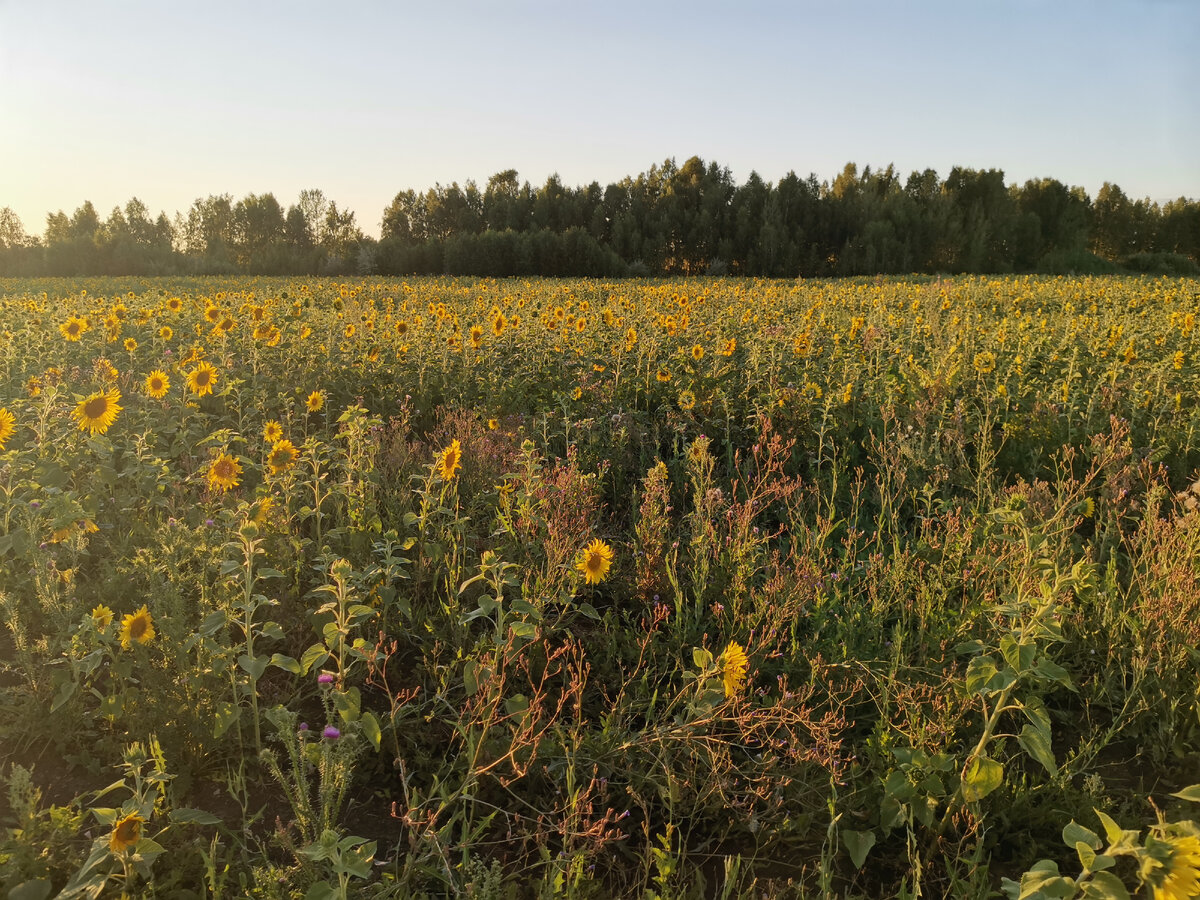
(671, 220)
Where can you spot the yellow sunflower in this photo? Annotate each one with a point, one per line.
(697, 352)
(733, 668)
(165, 333)
(1181, 880)
(272, 432)
(476, 336)
(315, 401)
(594, 561)
(97, 412)
(687, 400)
(127, 831)
(8, 424)
(137, 626)
(174, 304)
(73, 328)
(282, 457)
(130, 345)
(202, 378)
(662, 375)
(102, 616)
(449, 461)
(499, 323)
(157, 384)
(224, 472)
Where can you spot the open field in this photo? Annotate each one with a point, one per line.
(689, 588)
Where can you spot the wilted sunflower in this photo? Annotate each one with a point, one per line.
(97, 412)
(687, 400)
(594, 561)
(733, 668)
(127, 831)
(224, 472)
(157, 384)
(202, 378)
(33, 385)
(272, 432)
(137, 626)
(449, 461)
(282, 457)
(985, 362)
(8, 424)
(102, 616)
(315, 401)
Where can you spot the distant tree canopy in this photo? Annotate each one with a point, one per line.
(671, 220)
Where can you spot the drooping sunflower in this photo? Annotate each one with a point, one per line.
(734, 664)
(102, 616)
(97, 412)
(662, 375)
(127, 831)
(449, 461)
(223, 473)
(282, 457)
(476, 336)
(594, 561)
(203, 378)
(272, 432)
(687, 400)
(137, 626)
(315, 401)
(985, 362)
(8, 424)
(157, 384)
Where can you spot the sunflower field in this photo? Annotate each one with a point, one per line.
(641, 588)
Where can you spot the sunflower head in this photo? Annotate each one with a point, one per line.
(315, 401)
(1178, 877)
(8, 424)
(166, 333)
(223, 473)
(733, 668)
(137, 627)
(130, 345)
(282, 457)
(697, 352)
(272, 432)
(203, 378)
(127, 831)
(97, 412)
(449, 461)
(102, 616)
(594, 561)
(157, 384)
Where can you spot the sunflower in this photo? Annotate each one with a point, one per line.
(130, 345)
(202, 378)
(138, 627)
(733, 668)
(174, 304)
(730, 346)
(401, 328)
(1181, 880)
(73, 328)
(282, 457)
(985, 362)
(157, 384)
(102, 616)
(476, 336)
(272, 432)
(492, 424)
(165, 333)
(224, 472)
(499, 323)
(594, 561)
(315, 401)
(449, 461)
(662, 375)
(697, 352)
(581, 324)
(8, 424)
(127, 831)
(212, 314)
(33, 385)
(687, 400)
(97, 412)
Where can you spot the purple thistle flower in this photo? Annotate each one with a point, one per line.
(324, 678)
(330, 732)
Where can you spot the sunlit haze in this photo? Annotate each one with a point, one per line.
(170, 102)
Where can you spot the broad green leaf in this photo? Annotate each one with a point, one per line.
(254, 665)
(1105, 886)
(1018, 656)
(1191, 793)
(279, 661)
(226, 715)
(983, 776)
(1073, 833)
(313, 656)
(185, 816)
(1037, 744)
(370, 727)
(348, 703)
(469, 680)
(858, 845)
(979, 672)
(38, 889)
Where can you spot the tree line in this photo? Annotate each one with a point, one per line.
(670, 220)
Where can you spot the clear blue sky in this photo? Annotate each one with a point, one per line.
(170, 101)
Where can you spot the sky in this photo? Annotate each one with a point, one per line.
(173, 101)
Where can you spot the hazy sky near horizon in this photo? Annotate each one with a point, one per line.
(171, 101)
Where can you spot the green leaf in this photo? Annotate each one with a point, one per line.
(348, 703)
(1074, 833)
(279, 661)
(322, 890)
(1191, 793)
(313, 656)
(64, 693)
(469, 680)
(1105, 886)
(267, 572)
(979, 672)
(1052, 671)
(701, 658)
(1018, 656)
(226, 715)
(858, 845)
(213, 623)
(272, 631)
(184, 816)
(38, 889)
(254, 665)
(1037, 744)
(524, 630)
(983, 776)
(1087, 855)
(370, 727)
